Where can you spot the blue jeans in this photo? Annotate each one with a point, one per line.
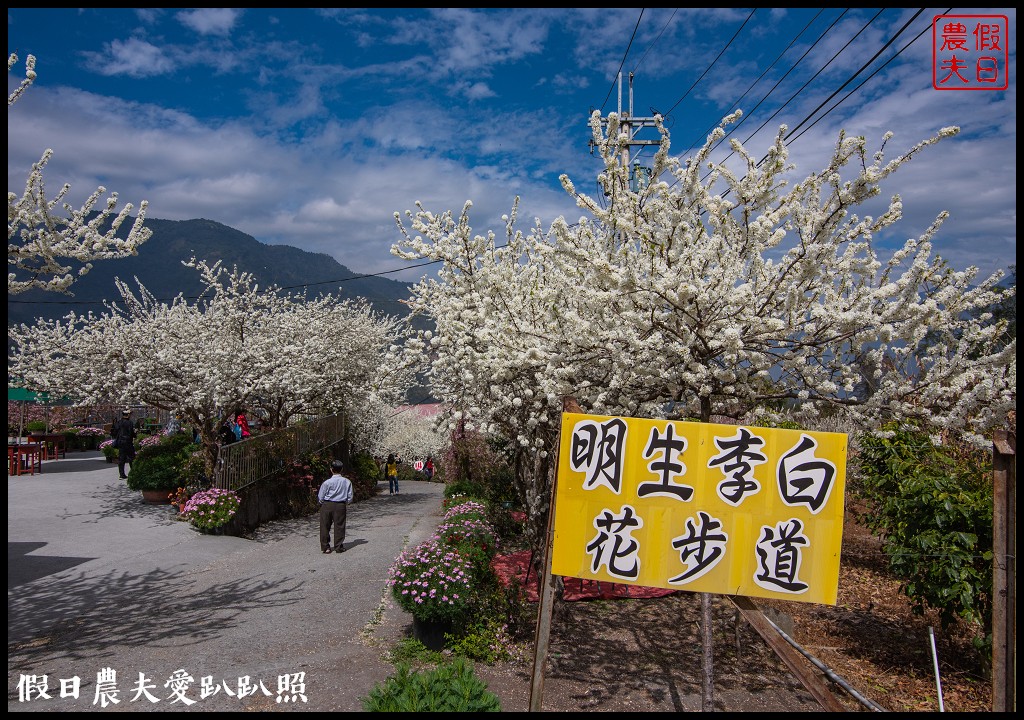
(393, 483)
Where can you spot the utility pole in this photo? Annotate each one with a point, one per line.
(631, 126)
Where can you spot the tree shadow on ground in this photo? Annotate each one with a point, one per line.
(95, 617)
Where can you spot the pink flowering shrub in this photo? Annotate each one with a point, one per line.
(434, 582)
(465, 509)
(108, 449)
(211, 508)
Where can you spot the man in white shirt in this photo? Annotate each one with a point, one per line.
(335, 495)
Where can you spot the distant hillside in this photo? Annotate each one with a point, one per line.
(158, 266)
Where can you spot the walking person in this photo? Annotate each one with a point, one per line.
(428, 468)
(391, 472)
(123, 433)
(335, 495)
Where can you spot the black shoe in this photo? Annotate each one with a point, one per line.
(340, 550)
(123, 477)
(327, 551)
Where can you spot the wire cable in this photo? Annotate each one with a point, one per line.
(624, 56)
(862, 83)
(276, 289)
(767, 70)
(713, 61)
(804, 87)
(861, 69)
(655, 42)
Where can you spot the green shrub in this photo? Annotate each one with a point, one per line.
(406, 473)
(450, 687)
(302, 478)
(70, 436)
(366, 474)
(36, 426)
(464, 490)
(411, 651)
(500, 486)
(932, 507)
(510, 531)
(160, 467)
(487, 640)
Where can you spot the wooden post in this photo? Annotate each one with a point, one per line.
(546, 584)
(707, 686)
(1004, 571)
(814, 685)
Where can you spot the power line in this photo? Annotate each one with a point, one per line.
(804, 86)
(790, 135)
(269, 290)
(625, 55)
(861, 69)
(615, 77)
(713, 61)
(655, 42)
(768, 94)
(875, 72)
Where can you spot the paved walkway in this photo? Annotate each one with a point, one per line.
(98, 579)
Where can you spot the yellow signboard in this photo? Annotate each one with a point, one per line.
(701, 507)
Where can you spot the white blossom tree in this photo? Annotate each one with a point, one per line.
(414, 436)
(237, 347)
(679, 297)
(40, 242)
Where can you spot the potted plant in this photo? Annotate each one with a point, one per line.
(108, 450)
(434, 583)
(179, 498)
(156, 470)
(210, 510)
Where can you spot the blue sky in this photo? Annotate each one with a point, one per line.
(311, 127)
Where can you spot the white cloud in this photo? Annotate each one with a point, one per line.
(211, 21)
(132, 57)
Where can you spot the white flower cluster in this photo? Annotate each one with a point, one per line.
(40, 242)
(276, 355)
(707, 296)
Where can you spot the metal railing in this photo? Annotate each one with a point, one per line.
(248, 461)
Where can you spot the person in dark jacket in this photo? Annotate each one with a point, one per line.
(123, 433)
(226, 434)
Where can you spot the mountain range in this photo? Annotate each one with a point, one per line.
(158, 266)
